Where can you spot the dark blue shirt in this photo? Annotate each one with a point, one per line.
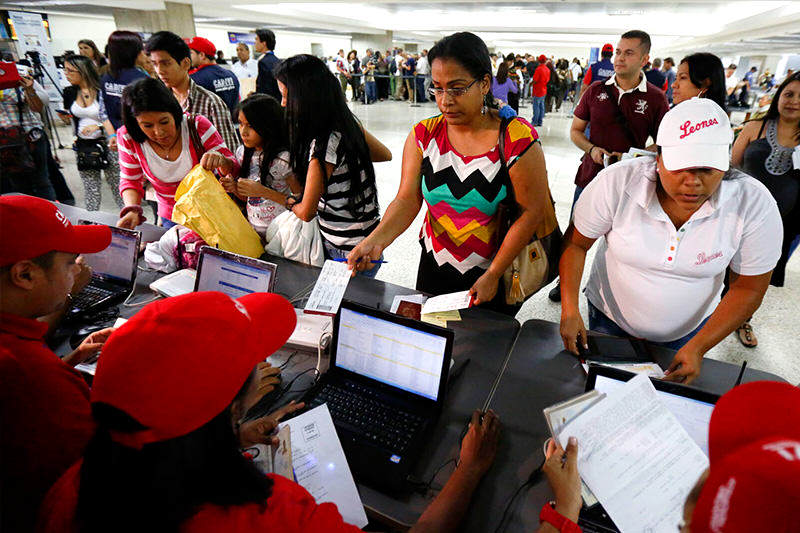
(219, 81)
(111, 91)
(266, 82)
(656, 77)
(600, 71)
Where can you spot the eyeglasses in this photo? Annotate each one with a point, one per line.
(455, 92)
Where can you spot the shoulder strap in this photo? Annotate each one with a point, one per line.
(20, 105)
(501, 148)
(619, 116)
(761, 131)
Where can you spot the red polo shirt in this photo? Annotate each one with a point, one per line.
(643, 107)
(289, 509)
(539, 80)
(45, 419)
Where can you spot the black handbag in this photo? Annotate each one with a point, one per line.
(92, 154)
(16, 156)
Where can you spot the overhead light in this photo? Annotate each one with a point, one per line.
(624, 12)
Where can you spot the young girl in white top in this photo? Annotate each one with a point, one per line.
(265, 179)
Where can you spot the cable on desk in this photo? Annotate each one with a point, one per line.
(534, 478)
(283, 365)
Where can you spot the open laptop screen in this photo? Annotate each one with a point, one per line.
(694, 414)
(392, 353)
(118, 261)
(233, 274)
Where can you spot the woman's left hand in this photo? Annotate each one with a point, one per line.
(213, 161)
(485, 288)
(86, 130)
(685, 366)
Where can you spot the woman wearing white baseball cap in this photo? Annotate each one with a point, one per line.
(672, 225)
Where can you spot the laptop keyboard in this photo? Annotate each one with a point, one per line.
(354, 408)
(90, 295)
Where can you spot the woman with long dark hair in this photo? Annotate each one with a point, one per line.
(91, 125)
(355, 74)
(87, 48)
(331, 155)
(764, 150)
(155, 146)
(265, 179)
(161, 461)
(124, 48)
(502, 84)
(454, 163)
(700, 74)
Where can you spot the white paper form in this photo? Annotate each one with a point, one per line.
(329, 289)
(320, 465)
(636, 458)
(447, 302)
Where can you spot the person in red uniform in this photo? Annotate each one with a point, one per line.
(752, 483)
(166, 456)
(539, 90)
(45, 418)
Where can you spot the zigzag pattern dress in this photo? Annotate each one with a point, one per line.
(462, 193)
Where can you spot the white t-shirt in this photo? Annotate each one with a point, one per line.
(576, 71)
(262, 211)
(731, 82)
(170, 171)
(658, 282)
(248, 70)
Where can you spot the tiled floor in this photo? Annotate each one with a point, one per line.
(775, 322)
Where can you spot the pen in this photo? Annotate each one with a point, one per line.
(374, 262)
(741, 375)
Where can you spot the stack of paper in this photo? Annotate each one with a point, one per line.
(438, 310)
(636, 457)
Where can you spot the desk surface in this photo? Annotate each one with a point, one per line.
(539, 374)
(482, 336)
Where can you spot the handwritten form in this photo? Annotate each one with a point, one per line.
(320, 465)
(329, 289)
(447, 302)
(636, 458)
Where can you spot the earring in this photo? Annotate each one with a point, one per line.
(483, 109)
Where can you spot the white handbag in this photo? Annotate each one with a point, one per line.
(290, 237)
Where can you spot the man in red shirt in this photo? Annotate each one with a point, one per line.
(539, 90)
(621, 112)
(45, 416)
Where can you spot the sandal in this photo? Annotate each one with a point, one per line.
(746, 335)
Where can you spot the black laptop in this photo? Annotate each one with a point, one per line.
(385, 389)
(113, 273)
(692, 407)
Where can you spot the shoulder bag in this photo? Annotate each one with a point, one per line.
(92, 154)
(194, 137)
(536, 265)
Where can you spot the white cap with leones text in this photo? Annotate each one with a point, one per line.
(695, 134)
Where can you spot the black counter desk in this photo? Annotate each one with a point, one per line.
(539, 374)
(482, 336)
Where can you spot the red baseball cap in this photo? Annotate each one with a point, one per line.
(179, 362)
(754, 447)
(542, 58)
(608, 47)
(203, 45)
(30, 227)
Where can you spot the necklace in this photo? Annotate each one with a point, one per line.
(165, 154)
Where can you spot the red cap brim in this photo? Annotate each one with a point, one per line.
(87, 239)
(274, 317)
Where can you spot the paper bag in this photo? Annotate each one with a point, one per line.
(202, 205)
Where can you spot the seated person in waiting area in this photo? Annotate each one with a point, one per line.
(160, 462)
(672, 225)
(753, 481)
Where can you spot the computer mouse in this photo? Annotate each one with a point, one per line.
(267, 402)
(77, 338)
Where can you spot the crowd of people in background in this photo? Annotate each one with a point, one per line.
(157, 108)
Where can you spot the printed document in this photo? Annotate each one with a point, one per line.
(636, 458)
(320, 465)
(329, 289)
(447, 302)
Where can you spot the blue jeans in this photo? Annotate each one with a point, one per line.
(538, 110)
(332, 252)
(578, 191)
(370, 92)
(602, 324)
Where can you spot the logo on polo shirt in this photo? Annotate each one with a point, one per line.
(641, 106)
(602, 96)
(688, 129)
(702, 258)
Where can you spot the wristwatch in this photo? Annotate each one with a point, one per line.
(557, 520)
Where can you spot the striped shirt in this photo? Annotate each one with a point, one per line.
(342, 227)
(10, 111)
(134, 166)
(203, 102)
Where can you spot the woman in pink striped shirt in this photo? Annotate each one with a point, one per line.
(157, 143)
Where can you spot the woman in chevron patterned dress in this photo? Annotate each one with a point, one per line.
(453, 162)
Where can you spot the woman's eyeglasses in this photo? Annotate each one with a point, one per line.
(455, 92)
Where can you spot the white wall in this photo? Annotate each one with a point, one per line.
(67, 30)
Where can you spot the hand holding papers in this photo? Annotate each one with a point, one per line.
(636, 457)
(447, 302)
(329, 289)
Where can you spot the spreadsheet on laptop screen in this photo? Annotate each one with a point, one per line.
(116, 261)
(397, 355)
(692, 414)
(233, 278)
